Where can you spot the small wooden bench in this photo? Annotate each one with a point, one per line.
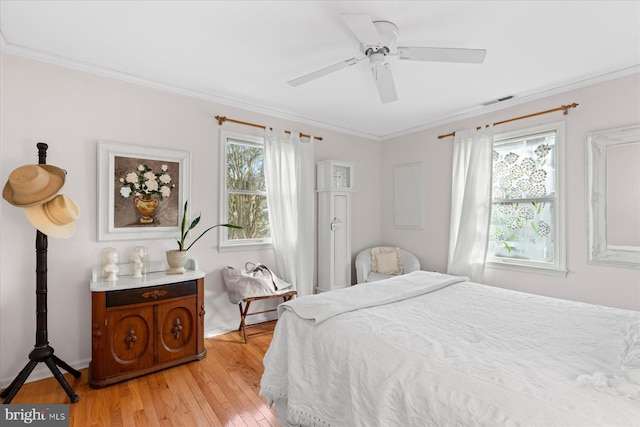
(244, 312)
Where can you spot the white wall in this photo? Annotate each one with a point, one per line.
(602, 106)
(70, 110)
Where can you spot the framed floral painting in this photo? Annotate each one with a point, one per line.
(141, 191)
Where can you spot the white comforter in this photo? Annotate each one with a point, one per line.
(451, 353)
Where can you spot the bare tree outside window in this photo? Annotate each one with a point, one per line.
(246, 191)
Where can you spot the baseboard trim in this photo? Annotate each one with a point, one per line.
(258, 318)
(42, 372)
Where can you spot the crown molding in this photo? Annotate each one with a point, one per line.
(285, 115)
(130, 78)
(518, 100)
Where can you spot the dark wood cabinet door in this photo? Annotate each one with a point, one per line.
(136, 331)
(130, 339)
(177, 329)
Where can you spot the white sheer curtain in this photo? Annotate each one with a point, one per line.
(289, 176)
(470, 202)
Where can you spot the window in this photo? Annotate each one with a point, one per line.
(244, 195)
(527, 229)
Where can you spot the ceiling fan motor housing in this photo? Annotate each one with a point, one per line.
(388, 32)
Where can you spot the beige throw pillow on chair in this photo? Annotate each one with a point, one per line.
(385, 260)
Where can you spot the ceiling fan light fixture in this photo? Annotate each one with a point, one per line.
(377, 57)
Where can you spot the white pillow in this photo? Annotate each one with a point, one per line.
(386, 261)
(630, 355)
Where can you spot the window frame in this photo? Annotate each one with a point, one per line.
(226, 245)
(559, 265)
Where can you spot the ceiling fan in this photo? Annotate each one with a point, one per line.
(377, 38)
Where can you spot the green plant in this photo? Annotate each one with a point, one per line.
(184, 231)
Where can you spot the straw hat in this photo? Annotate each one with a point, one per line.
(56, 218)
(32, 185)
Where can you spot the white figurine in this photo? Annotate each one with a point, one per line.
(138, 258)
(110, 264)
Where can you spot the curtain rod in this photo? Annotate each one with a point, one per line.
(564, 109)
(222, 119)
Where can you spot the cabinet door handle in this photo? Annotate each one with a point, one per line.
(201, 313)
(131, 338)
(177, 327)
(97, 335)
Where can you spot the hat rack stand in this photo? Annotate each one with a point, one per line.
(42, 352)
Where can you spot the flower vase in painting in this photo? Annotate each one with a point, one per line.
(148, 188)
(147, 207)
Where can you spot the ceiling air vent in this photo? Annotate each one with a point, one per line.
(495, 101)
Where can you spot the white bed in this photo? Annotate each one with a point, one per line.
(431, 349)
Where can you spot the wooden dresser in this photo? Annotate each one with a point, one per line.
(143, 325)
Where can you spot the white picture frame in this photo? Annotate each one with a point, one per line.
(407, 196)
(117, 217)
(601, 250)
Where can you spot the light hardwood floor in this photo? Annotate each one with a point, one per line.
(220, 390)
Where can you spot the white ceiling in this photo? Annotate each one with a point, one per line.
(242, 53)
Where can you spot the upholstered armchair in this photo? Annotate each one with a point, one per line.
(383, 262)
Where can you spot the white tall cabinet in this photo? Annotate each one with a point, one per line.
(335, 184)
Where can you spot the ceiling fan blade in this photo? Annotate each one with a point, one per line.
(441, 54)
(384, 81)
(362, 27)
(323, 72)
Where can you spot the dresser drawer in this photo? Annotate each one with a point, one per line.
(151, 294)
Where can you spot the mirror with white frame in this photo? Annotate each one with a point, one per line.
(613, 196)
